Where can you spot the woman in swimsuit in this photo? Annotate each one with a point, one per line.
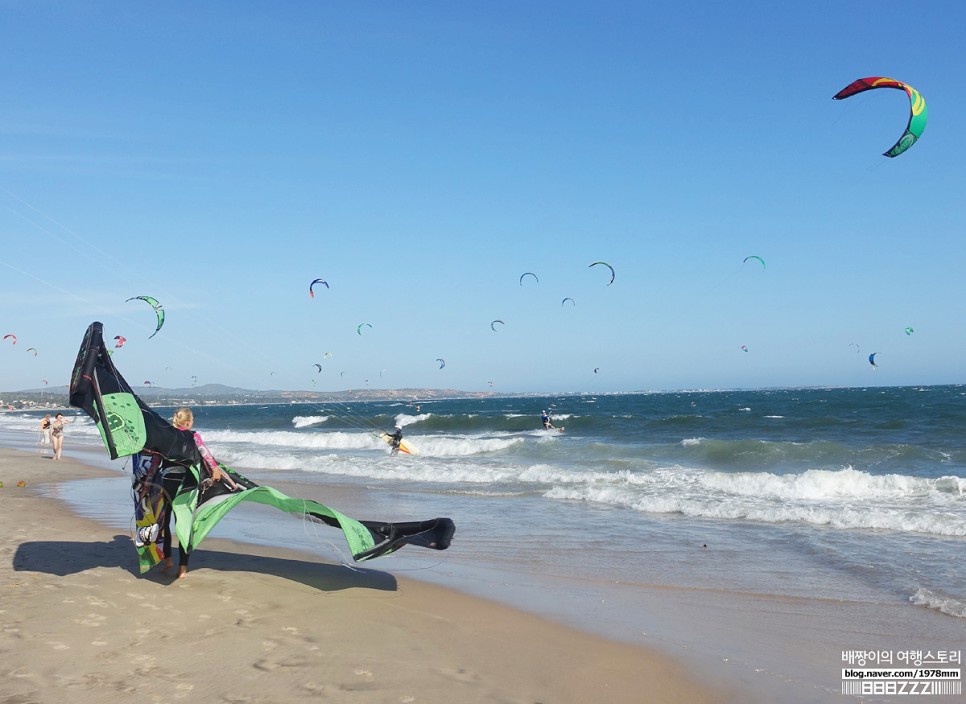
(57, 434)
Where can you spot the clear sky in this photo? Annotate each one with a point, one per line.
(421, 156)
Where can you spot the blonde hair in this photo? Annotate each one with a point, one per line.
(183, 418)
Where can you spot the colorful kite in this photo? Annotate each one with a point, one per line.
(917, 109)
(158, 310)
(127, 426)
(317, 281)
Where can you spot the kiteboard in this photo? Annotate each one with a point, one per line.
(403, 445)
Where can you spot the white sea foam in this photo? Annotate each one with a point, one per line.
(308, 421)
(404, 419)
(940, 602)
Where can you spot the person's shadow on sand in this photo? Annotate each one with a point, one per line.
(62, 558)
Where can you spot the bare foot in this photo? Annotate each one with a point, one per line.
(182, 571)
(168, 564)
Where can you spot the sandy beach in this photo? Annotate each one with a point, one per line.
(255, 624)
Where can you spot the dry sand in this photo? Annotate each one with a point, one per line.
(253, 624)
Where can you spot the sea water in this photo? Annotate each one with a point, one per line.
(843, 494)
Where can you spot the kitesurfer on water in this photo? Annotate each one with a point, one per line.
(395, 440)
(545, 419)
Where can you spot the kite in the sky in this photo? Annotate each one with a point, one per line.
(744, 348)
(318, 367)
(568, 298)
(317, 281)
(917, 108)
(909, 331)
(442, 362)
(362, 325)
(32, 349)
(119, 342)
(528, 273)
(10, 336)
(612, 274)
(493, 324)
(128, 426)
(856, 345)
(872, 359)
(159, 311)
(753, 256)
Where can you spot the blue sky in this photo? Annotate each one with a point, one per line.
(421, 156)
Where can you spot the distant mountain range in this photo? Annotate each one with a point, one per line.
(220, 393)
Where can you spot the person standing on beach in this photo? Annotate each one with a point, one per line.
(45, 430)
(172, 478)
(57, 434)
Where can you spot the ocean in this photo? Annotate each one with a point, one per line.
(839, 495)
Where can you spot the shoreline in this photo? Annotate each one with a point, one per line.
(247, 622)
(750, 646)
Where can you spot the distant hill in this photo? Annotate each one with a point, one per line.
(56, 396)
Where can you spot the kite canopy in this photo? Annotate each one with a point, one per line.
(528, 273)
(159, 311)
(493, 324)
(127, 426)
(612, 274)
(11, 336)
(918, 113)
(317, 281)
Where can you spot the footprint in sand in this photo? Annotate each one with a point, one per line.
(184, 689)
(460, 675)
(94, 620)
(314, 688)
